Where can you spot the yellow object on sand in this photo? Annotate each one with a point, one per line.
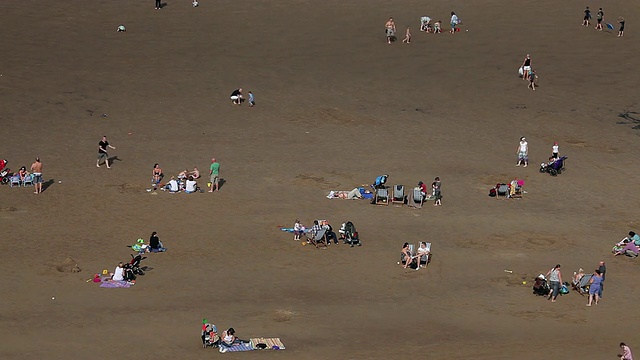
(105, 272)
(524, 283)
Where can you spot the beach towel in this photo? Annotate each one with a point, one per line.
(271, 343)
(290, 230)
(115, 284)
(240, 347)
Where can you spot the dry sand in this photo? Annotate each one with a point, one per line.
(336, 106)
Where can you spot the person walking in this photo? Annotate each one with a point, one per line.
(252, 100)
(621, 22)
(532, 79)
(103, 145)
(599, 18)
(526, 67)
(390, 30)
(214, 172)
(36, 170)
(454, 22)
(407, 36)
(555, 280)
(523, 152)
(587, 17)
(594, 287)
(625, 352)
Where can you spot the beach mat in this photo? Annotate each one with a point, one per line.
(272, 343)
(240, 347)
(115, 284)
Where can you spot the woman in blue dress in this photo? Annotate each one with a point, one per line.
(594, 287)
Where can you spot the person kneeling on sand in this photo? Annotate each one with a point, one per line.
(236, 96)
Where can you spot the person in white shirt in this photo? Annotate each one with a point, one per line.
(421, 252)
(191, 186)
(523, 152)
(118, 273)
(172, 185)
(454, 22)
(555, 149)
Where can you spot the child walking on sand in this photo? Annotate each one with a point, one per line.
(532, 79)
(251, 100)
(407, 36)
(621, 31)
(587, 17)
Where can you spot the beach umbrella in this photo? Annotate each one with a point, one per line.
(610, 27)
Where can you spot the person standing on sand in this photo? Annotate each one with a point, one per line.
(621, 31)
(437, 193)
(555, 149)
(555, 280)
(390, 30)
(532, 79)
(454, 22)
(36, 169)
(526, 66)
(599, 18)
(523, 152)
(587, 17)
(158, 4)
(252, 100)
(594, 287)
(603, 270)
(103, 145)
(214, 172)
(407, 36)
(625, 352)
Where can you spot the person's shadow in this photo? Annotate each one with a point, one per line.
(46, 184)
(113, 159)
(221, 183)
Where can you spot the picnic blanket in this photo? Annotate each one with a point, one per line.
(113, 284)
(272, 343)
(240, 347)
(291, 230)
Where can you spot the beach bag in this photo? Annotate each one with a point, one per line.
(564, 289)
(492, 192)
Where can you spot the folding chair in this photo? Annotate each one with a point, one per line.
(582, 287)
(28, 180)
(319, 238)
(381, 197)
(398, 194)
(15, 180)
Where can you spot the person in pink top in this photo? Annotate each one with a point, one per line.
(625, 353)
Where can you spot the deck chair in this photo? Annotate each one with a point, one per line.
(398, 194)
(425, 259)
(582, 286)
(381, 197)
(28, 180)
(319, 239)
(15, 180)
(502, 190)
(418, 198)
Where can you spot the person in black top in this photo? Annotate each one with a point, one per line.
(621, 31)
(599, 18)
(587, 17)
(603, 269)
(526, 66)
(236, 96)
(103, 145)
(155, 244)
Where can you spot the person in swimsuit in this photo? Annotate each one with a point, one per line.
(599, 18)
(587, 17)
(156, 176)
(407, 36)
(526, 66)
(621, 31)
(36, 169)
(390, 30)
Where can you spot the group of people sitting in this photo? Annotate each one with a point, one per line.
(321, 233)
(185, 180)
(629, 246)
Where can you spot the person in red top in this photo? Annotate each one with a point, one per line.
(423, 188)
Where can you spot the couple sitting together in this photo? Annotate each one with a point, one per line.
(629, 246)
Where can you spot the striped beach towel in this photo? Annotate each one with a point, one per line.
(272, 343)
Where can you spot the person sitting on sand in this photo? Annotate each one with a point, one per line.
(172, 186)
(157, 175)
(634, 238)
(155, 245)
(630, 246)
(118, 273)
(195, 173)
(191, 186)
(229, 339)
